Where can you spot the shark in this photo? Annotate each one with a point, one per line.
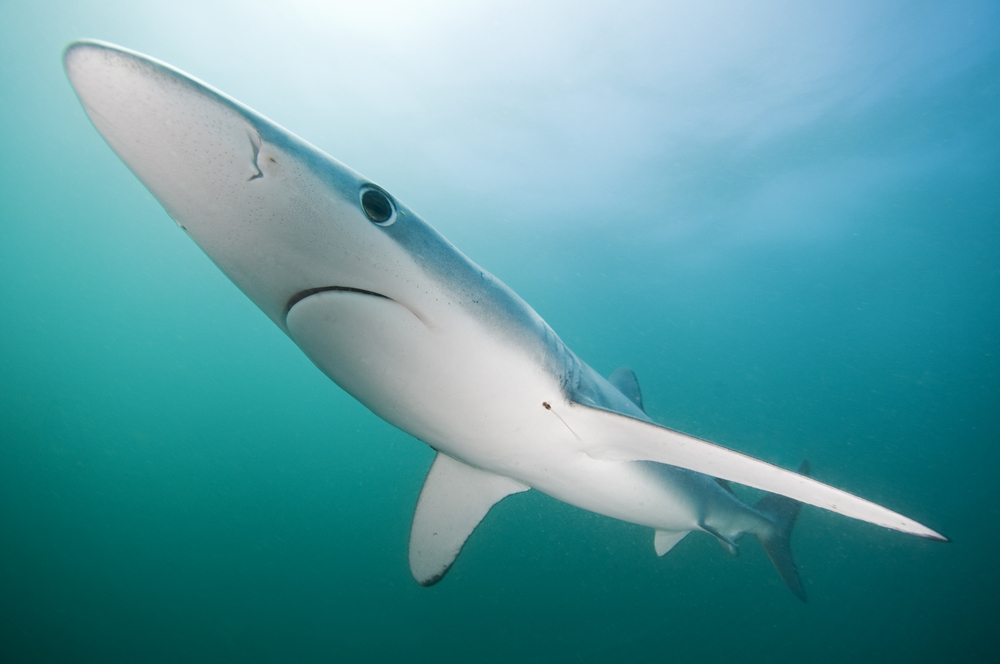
(425, 338)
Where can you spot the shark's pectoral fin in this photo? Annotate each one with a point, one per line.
(664, 540)
(455, 498)
(614, 437)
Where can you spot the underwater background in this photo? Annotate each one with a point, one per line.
(782, 215)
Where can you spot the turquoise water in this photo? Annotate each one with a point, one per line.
(784, 219)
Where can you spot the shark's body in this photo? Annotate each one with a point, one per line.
(421, 335)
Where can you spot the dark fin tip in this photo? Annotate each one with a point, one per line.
(427, 583)
(431, 581)
(936, 538)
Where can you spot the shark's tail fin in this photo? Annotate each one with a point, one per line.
(782, 511)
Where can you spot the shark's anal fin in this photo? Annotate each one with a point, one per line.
(455, 498)
(611, 436)
(664, 540)
(625, 382)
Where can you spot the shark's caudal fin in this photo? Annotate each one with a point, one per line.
(782, 511)
(455, 498)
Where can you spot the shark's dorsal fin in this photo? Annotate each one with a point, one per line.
(625, 382)
(455, 498)
(664, 540)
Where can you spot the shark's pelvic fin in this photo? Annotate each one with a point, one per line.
(664, 540)
(625, 382)
(455, 498)
(614, 437)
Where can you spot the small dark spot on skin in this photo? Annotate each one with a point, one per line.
(271, 159)
(547, 406)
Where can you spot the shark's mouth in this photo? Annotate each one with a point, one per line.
(303, 294)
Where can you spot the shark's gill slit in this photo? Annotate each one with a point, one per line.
(548, 407)
(255, 145)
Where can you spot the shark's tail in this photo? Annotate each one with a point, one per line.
(782, 512)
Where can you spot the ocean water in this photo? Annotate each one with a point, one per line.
(784, 218)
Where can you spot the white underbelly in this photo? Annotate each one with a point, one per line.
(485, 406)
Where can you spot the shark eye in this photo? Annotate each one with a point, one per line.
(377, 206)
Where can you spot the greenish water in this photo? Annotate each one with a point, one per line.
(784, 219)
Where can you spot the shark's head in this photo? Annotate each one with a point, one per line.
(282, 219)
(351, 274)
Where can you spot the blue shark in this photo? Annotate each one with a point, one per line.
(424, 337)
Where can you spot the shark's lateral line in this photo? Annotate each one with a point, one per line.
(421, 335)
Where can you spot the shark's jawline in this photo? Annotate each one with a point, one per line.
(303, 294)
